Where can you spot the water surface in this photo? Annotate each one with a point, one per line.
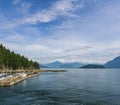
(74, 87)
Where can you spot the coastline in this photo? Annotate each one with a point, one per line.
(14, 79)
(10, 81)
(53, 70)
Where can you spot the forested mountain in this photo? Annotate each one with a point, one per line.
(11, 60)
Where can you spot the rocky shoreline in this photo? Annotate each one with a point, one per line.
(9, 81)
(14, 77)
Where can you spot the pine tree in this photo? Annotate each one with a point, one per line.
(11, 60)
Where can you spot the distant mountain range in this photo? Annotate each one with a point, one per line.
(58, 64)
(55, 64)
(115, 63)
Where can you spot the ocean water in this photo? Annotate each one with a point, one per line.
(74, 87)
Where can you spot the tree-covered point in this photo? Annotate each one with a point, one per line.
(11, 60)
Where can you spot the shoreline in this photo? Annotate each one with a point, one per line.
(10, 81)
(14, 79)
(53, 70)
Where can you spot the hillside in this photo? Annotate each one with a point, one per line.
(115, 63)
(11, 60)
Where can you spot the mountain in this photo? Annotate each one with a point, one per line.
(115, 63)
(42, 66)
(55, 64)
(93, 66)
(72, 65)
(58, 64)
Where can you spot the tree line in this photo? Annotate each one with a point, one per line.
(11, 60)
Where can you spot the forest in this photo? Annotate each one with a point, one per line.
(9, 60)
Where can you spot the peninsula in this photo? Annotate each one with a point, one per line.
(15, 68)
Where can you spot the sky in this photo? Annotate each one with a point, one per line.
(86, 31)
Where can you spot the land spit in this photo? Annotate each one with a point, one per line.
(53, 70)
(14, 77)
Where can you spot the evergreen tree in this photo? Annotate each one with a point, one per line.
(11, 60)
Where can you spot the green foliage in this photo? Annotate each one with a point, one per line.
(11, 60)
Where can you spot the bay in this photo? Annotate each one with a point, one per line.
(74, 87)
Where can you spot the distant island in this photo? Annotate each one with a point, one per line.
(15, 68)
(93, 66)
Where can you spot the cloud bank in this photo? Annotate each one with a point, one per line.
(66, 30)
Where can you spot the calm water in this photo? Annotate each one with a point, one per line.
(75, 87)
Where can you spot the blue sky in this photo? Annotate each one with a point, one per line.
(85, 31)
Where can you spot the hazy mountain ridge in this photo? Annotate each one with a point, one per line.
(55, 64)
(58, 64)
(115, 63)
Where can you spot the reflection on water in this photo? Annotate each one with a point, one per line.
(75, 87)
(24, 83)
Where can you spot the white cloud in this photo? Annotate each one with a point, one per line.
(9, 25)
(21, 6)
(67, 5)
(24, 7)
(43, 16)
(59, 8)
(36, 47)
(16, 2)
(45, 54)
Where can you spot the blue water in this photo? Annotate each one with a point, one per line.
(74, 87)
